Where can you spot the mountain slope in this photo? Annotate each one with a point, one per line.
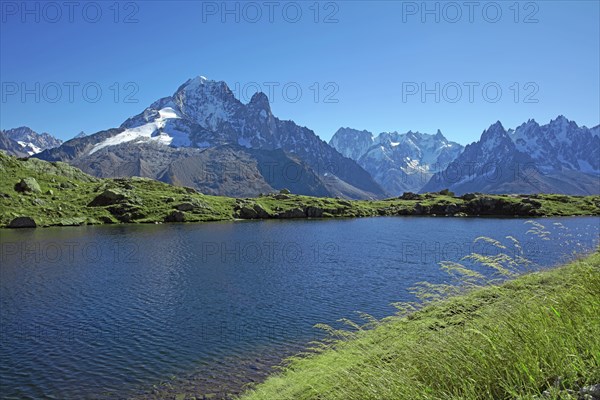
(559, 157)
(204, 114)
(398, 162)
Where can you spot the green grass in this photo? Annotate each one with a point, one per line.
(509, 341)
(66, 193)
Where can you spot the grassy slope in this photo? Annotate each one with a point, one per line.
(501, 342)
(153, 200)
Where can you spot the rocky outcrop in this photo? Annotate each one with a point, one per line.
(28, 185)
(107, 197)
(175, 216)
(22, 222)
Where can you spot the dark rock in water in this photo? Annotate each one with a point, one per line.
(175, 216)
(247, 212)
(261, 212)
(28, 185)
(105, 220)
(107, 198)
(22, 222)
(420, 209)
(452, 209)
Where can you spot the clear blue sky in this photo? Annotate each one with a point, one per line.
(373, 55)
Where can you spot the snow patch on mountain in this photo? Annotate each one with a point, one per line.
(150, 131)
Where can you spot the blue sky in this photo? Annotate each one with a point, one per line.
(357, 64)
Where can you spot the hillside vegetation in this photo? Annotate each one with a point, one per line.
(41, 193)
(535, 337)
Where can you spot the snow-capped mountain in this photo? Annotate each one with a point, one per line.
(399, 162)
(205, 115)
(559, 145)
(28, 142)
(559, 157)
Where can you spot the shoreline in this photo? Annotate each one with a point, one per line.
(36, 193)
(378, 361)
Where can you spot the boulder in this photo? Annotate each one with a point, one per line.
(421, 209)
(292, 213)
(126, 212)
(281, 196)
(284, 191)
(185, 207)
(67, 185)
(468, 196)
(410, 196)
(451, 209)
(28, 185)
(107, 198)
(261, 212)
(22, 222)
(592, 390)
(75, 221)
(314, 212)
(534, 203)
(446, 192)
(247, 212)
(175, 216)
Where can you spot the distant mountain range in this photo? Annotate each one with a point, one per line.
(203, 137)
(398, 162)
(23, 141)
(559, 157)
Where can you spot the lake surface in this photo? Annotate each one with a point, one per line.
(145, 310)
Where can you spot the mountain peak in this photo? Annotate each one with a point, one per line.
(439, 135)
(260, 101)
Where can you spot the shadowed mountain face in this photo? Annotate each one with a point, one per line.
(204, 137)
(559, 157)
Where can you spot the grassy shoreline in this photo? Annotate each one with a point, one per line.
(56, 194)
(539, 332)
